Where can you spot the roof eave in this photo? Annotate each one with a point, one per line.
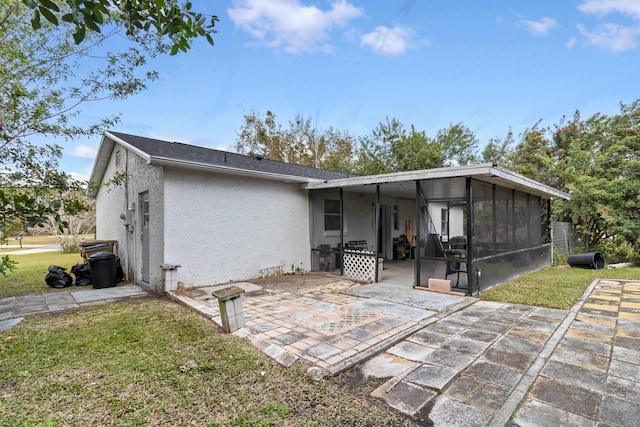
(479, 171)
(185, 164)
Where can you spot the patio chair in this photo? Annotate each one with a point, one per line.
(457, 251)
(325, 258)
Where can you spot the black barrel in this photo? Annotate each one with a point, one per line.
(103, 270)
(594, 260)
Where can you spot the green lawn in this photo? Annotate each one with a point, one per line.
(554, 287)
(154, 362)
(28, 278)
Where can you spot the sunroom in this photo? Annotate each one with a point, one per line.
(463, 228)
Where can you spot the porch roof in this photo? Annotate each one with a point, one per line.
(401, 184)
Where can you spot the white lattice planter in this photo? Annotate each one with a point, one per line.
(360, 265)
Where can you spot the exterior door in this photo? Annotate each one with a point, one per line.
(144, 203)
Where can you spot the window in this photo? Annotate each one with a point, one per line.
(444, 221)
(331, 215)
(118, 160)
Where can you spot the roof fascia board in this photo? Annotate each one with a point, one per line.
(130, 147)
(454, 172)
(164, 161)
(474, 171)
(107, 143)
(518, 179)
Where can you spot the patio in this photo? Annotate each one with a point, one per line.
(330, 322)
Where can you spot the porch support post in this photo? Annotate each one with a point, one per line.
(549, 228)
(377, 234)
(473, 277)
(416, 267)
(339, 254)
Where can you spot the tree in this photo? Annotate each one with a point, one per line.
(301, 143)
(498, 151)
(597, 161)
(178, 23)
(459, 146)
(42, 86)
(391, 148)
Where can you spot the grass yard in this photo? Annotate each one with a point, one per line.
(153, 362)
(28, 277)
(554, 287)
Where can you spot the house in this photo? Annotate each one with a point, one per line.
(212, 217)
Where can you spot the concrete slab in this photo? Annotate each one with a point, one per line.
(405, 397)
(428, 338)
(116, 292)
(494, 373)
(410, 351)
(433, 377)
(5, 325)
(451, 359)
(567, 397)
(534, 413)
(323, 351)
(393, 309)
(573, 374)
(386, 366)
(451, 413)
(465, 346)
(619, 412)
(623, 388)
(406, 296)
(623, 369)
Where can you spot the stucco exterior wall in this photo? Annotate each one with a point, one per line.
(359, 219)
(221, 228)
(118, 214)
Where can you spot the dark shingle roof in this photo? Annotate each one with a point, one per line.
(208, 156)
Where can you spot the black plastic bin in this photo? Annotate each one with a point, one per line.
(593, 260)
(103, 270)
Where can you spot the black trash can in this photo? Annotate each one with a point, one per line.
(594, 260)
(103, 270)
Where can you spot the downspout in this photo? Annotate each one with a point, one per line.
(376, 231)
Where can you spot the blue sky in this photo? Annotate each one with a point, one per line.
(348, 64)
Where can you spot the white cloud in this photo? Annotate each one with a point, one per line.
(607, 35)
(571, 43)
(605, 7)
(291, 25)
(388, 41)
(84, 152)
(612, 37)
(541, 27)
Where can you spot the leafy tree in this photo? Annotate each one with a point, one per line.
(391, 148)
(45, 77)
(498, 151)
(301, 143)
(169, 19)
(459, 146)
(597, 161)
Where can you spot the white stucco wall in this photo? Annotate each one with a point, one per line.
(359, 219)
(113, 202)
(221, 228)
